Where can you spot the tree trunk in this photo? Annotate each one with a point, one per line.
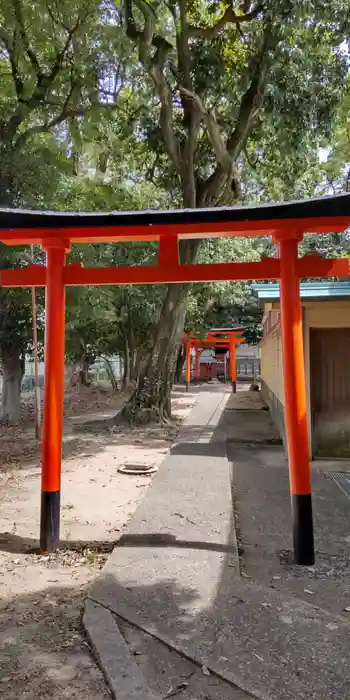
(136, 365)
(126, 369)
(151, 399)
(110, 373)
(84, 373)
(12, 372)
(131, 344)
(180, 363)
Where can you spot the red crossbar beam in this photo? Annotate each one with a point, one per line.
(75, 274)
(30, 276)
(223, 335)
(183, 230)
(164, 274)
(265, 269)
(314, 266)
(211, 342)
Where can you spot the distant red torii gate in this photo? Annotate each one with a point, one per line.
(285, 222)
(214, 339)
(235, 338)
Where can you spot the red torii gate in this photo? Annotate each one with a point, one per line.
(286, 222)
(233, 338)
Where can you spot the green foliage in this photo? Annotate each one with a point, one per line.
(226, 304)
(137, 105)
(337, 164)
(62, 73)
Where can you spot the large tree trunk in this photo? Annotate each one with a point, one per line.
(127, 367)
(152, 396)
(180, 363)
(12, 372)
(110, 372)
(151, 399)
(84, 372)
(136, 364)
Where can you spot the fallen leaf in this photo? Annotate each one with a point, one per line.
(175, 690)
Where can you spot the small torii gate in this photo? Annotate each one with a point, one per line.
(235, 337)
(285, 222)
(213, 340)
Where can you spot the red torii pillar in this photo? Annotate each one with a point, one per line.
(295, 400)
(53, 396)
(196, 362)
(232, 364)
(188, 346)
(232, 361)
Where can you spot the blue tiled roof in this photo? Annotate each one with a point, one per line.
(308, 290)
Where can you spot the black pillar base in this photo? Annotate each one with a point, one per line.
(303, 535)
(187, 386)
(50, 521)
(234, 387)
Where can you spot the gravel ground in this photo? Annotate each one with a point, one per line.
(44, 653)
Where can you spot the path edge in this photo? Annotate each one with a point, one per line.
(123, 676)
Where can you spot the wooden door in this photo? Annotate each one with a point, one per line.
(330, 391)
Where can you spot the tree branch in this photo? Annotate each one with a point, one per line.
(44, 80)
(47, 126)
(191, 115)
(221, 153)
(330, 182)
(229, 17)
(253, 97)
(347, 181)
(11, 51)
(225, 163)
(18, 10)
(249, 108)
(146, 40)
(65, 113)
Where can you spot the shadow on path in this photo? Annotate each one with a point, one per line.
(27, 545)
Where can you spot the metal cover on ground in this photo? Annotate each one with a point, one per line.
(342, 479)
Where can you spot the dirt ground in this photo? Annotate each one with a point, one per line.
(43, 651)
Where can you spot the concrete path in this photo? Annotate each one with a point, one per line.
(176, 573)
(261, 487)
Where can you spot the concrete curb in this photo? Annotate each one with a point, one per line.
(122, 674)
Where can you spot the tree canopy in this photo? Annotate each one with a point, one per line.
(138, 104)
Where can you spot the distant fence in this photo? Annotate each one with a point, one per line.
(97, 373)
(248, 368)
